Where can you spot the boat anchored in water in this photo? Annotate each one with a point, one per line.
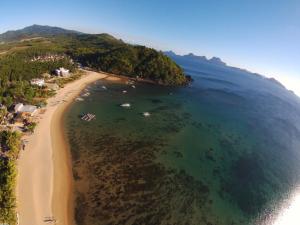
(125, 105)
(146, 114)
(86, 94)
(79, 99)
(88, 117)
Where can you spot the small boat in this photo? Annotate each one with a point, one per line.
(124, 91)
(146, 114)
(88, 117)
(133, 86)
(86, 94)
(79, 99)
(104, 87)
(125, 105)
(50, 219)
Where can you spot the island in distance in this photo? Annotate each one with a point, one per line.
(204, 64)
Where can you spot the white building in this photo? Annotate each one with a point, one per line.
(62, 72)
(38, 82)
(30, 109)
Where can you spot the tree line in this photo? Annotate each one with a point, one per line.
(9, 146)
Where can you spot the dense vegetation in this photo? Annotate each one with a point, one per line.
(104, 52)
(135, 61)
(10, 145)
(16, 71)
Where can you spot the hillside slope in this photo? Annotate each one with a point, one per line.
(98, 51)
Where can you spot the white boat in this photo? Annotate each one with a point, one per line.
(86, 94)
(146, 114)
(124, 91)
(126, 105)
(79, 99)
(104, 87)
(133, 86)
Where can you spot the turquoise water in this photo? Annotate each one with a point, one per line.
(224, 150)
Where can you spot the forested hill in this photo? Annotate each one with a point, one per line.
(34, 31)
(99, 51)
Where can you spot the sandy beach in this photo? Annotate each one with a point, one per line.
(44, 184)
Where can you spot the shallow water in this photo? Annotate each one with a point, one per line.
(223, 151)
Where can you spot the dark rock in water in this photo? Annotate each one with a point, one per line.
(160, 108)
(196, 124)
(120, 119)
(178, 154)
(186, 115)
(76, 176)
(156, 101)
(189, 78)
(216, 171)
(209, 154)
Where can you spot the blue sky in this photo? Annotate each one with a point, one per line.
(260, 35)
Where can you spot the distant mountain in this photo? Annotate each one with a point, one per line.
(275, 82)
(34, 31)
(214, 62)
(217, 61)
(191, 56)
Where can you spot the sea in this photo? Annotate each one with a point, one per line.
(221, 151)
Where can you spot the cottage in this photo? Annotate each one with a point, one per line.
(26, 109)
(62, 72)
(38, 82)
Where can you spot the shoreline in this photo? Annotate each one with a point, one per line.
(62, 168)
(44, 181)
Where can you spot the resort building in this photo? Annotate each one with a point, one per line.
(47, 58)
(62, 72)
(38, 82)
(25, 109)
